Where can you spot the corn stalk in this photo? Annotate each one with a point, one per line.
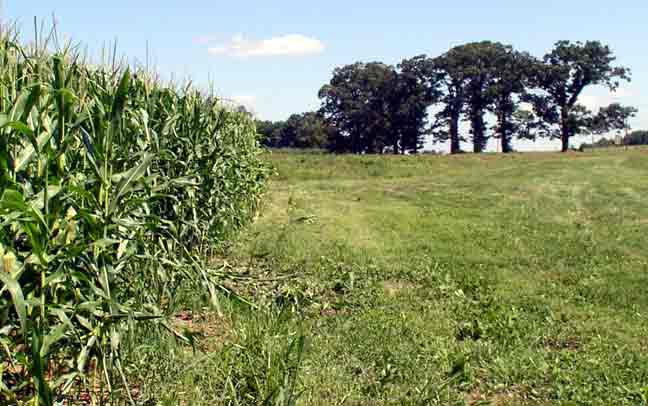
(114, 188)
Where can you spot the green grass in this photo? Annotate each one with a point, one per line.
(489, 279)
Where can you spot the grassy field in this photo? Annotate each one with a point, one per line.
(519, 279)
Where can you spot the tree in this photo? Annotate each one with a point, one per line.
(565, 72)
(311, 130)
(342, 105)
(526, 125)
(579, 121)
(417, 88)
(639, 137)
(450, 66)
(377, 108)
(270, 133)
(380, 82)
(306, 130)
(480, 77)
(511, 72)
(613, 117)
(355, 102)
(479, 70)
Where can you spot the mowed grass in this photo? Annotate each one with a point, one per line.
(491, 279)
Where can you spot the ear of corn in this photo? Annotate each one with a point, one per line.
(113, 190)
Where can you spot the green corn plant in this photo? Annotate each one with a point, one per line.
(114, 191)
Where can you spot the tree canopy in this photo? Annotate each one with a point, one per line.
(561, 78)
(306, 130)
(639, 137)
(498, 91)
(377, 107)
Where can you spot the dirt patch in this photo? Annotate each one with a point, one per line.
(209, 330)
(514, 395)
(566, 343)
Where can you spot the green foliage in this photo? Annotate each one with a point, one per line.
(417, 89)
(356, 103)
(303, 131)
(511, 72)
(258, 363)
(454, 97)
(563, 75)
(639, 137)
(376, 108)
(114, 190)
(479, 66)
(612, 117)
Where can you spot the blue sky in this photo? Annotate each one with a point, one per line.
(274, 55)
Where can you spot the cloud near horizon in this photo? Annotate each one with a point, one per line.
(596, 101)
(285, 45)
(245, 100)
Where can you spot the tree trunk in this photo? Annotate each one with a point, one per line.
(506, 144)
(564, 139)
(564, 129)
(478, 130)
(505, 139)
(455, 147)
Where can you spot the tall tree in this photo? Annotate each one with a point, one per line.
(417, 88)
(343, 105)
(451, 68)
(478, 65)
(511, 72)
(565, 72)
(380, 81)
(358, 101)
(477, 76)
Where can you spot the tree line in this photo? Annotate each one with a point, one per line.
(639, 137)
(306, 130)
(636, 138)
(379, 108)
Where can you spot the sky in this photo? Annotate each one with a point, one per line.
(273, 56)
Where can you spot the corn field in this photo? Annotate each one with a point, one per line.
(114, 191)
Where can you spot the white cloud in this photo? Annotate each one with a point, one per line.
(594, 101)
(247, 101)
(286, 45)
